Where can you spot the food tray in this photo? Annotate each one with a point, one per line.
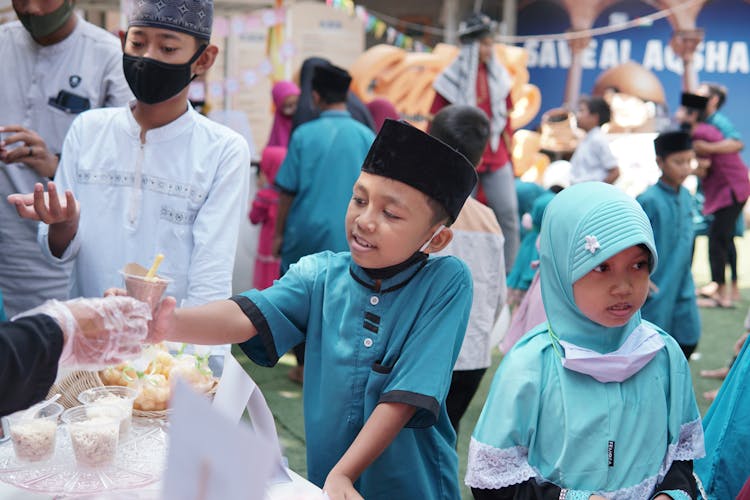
(78, 381)
(141, 458)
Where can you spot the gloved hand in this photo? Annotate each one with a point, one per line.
(98, 332)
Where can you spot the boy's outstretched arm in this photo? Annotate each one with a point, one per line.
(379, 431)
(219, 322)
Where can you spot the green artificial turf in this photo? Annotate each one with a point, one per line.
(721, 327)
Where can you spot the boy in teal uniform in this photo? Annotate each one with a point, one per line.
(319, 170)
(668, 205)
(383, 324)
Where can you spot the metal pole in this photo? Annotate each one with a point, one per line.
(510, 12)
(450, 16)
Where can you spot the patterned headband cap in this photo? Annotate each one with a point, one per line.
(193, 17)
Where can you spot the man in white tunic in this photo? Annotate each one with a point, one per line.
(55, 66)
(152, 177)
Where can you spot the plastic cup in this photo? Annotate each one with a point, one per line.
(33, 436)
(116, 395)
(149, 291)
(94, 431)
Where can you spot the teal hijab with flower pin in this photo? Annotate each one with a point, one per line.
(583, 226)
(548, 422)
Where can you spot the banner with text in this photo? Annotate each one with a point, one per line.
(722, 56)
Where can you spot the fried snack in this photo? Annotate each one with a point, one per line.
(154, 393)
(194, 371)
(161, 364)
(154, 383)
(124, 375)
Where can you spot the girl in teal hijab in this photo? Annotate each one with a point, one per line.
(596, 403)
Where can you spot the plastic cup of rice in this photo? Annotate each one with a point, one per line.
(116, 395)
(94, 432)
(33, 436)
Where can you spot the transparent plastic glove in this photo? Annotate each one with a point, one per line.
(98, 332)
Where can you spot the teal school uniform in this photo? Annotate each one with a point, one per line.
(548, 422)
(526, 194)
(726, 465)
(725, 125)
(542, 421)
(368, 341)
(673, 307)
(522, 273)
(319, 170)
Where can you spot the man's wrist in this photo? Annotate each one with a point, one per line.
(60, 235)
(51, 175)
(49, 168)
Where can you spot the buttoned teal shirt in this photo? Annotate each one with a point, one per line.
(370, 342)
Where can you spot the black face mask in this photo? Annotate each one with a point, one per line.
(154, 81)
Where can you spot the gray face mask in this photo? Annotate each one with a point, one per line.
(46, 24)
(641, 346)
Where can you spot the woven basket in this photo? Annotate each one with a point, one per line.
(162, 414)
(78, 381)
(72, 385)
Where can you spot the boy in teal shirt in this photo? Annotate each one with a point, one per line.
(318, 172)
(383, 324)
(668, 205)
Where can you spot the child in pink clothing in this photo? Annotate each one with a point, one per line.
(285, 97)
(263, 211)
(530, 313)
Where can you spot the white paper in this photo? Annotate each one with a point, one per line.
(237, 391)
(234, 390)
(211, 457)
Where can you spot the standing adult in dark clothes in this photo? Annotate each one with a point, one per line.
(306, 109)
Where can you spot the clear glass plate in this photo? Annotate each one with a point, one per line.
(141, 458)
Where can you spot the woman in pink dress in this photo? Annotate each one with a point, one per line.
(263, 211)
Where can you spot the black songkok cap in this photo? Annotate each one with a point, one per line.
(193, 17)
(694, 101)
(672, 142)
(406, 154)
(329, 78)
(476, 26)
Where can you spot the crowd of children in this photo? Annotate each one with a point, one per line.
(383, 273)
